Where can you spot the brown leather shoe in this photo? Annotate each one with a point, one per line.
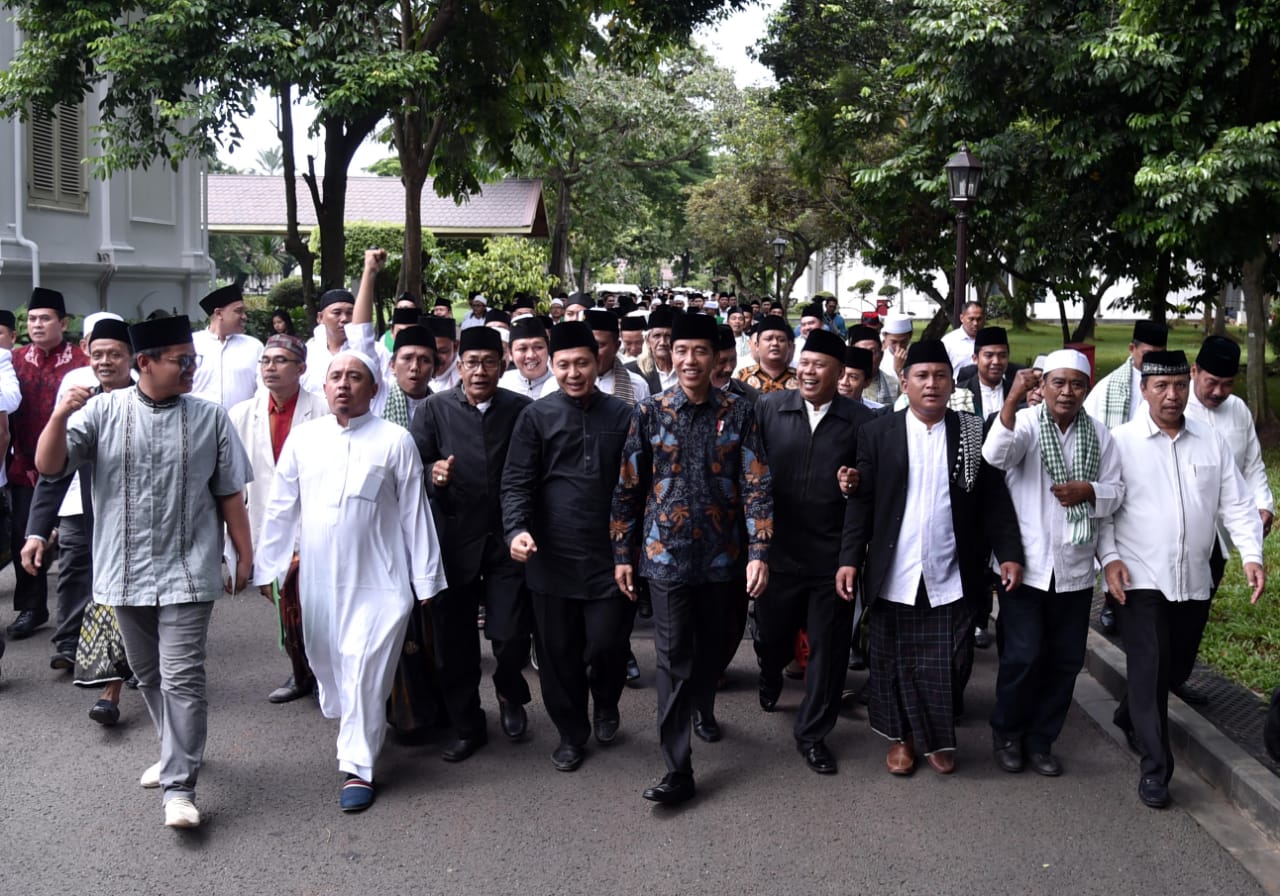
(901, 759)
(942, 762)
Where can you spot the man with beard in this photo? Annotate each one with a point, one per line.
(810, 435)
(693, 505)
(556, 492)
(1063, 476)
(462, 436)
(776, 344)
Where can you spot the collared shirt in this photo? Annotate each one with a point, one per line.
(281, 421)
(318, 359)
(815, 413)
(1046, 533)
(39, 374)
(668, 378)
(1174, 490)
(529, 388)
(228, 371)
(758, 378)
(1234, 421)
(158, 468)
(992, 398)
(959, 345)
(694, 485)
(447, 380)
(926, 516)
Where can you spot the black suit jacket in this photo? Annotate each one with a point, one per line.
(468, 511)
(984, 519)
(967, 378)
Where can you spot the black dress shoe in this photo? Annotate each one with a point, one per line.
(818, 758)
(706, 727)
(1045, 764)
(62, 660)
(770, 691)
(1190, 695)
(1107, 621)
(1008, 753)
(26, 623)
(606, 729)
(1153, 792)
(633, 671)
(567, 757)
(104, 712)
(857, 661)
(462, 748)
(981, 639)
(515, 721)
(675, 788)
(290, 690)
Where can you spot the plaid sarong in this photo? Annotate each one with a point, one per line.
(1085, 461)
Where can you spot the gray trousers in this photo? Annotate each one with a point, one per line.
(166, 651)
(75, 581)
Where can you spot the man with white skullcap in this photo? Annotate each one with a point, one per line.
(1063, 476)
(352, 472)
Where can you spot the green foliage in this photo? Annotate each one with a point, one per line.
(287, 294)
(507, 265)
(362, 235)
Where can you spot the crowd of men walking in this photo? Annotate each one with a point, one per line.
(860, 494)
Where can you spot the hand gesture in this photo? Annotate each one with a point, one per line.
(523, 547)
(442, 472)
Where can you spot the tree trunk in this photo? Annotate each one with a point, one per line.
(1158, 300)
(1220, 313)
(1018, 306)
(1255, 309)
(1089, 313)
(293, 240)
(559, 264)
(939, 325)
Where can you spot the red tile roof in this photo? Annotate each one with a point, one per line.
(248, 203)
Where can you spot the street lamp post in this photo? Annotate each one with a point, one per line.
(779, 247)
(964, 176)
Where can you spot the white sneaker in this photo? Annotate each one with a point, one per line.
(180, 812)
(151, 777)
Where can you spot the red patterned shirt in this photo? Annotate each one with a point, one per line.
(39, 375)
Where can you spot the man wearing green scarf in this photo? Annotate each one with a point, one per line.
(1063, 476)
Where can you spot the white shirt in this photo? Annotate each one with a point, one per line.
(1175, 488)
(926, 516)
(447, 380)
(959, 346)
(1095, 403)
(72, 505)
(992, 398)
(228, 371)
(10, 396)
(516, 381)
(471, 321)
(815, 413)
(1046, 533)
(318, 359)
(668, 379)
(1233, 420)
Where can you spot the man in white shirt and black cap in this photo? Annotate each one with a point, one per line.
(333, 313)
(1063, 476)
(228, 371)
(1180, 481)
(531, 374)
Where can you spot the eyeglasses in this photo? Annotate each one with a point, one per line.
(476, 364)
(184, 362)
(276, 361)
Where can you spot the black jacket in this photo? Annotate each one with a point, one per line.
(467, 511)
(984, 519)
(967, 378)
(808, 506)
(558, 484)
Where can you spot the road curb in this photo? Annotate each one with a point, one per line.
(1215, 757)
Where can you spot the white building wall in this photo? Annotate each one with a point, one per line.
(139, 246)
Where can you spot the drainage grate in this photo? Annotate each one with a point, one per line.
(1233, 709)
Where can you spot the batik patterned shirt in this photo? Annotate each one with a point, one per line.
(759, 379)
(39, 374)
(693, 491)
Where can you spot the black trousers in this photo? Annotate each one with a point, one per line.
(735, 625)
(508, 626)
(29, 592)
(1041, 637)
(583, 647)
(789, 604)
(1159, 637)
(75, 580)
(1179, 674)
(689, 625)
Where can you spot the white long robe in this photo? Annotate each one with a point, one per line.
(353, 498)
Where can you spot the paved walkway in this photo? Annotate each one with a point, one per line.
(73, 819)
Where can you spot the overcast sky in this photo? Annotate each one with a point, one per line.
(728, 42)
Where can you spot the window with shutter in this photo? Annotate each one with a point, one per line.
(55, 159)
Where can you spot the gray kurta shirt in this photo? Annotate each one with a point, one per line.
(157, 469)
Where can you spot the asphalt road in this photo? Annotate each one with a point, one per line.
(74, 820)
